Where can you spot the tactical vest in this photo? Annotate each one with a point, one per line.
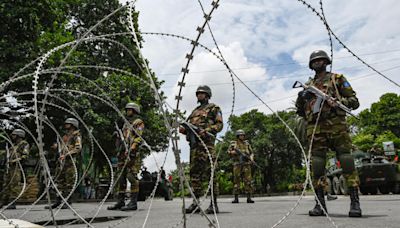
(202, 116)
(244, 147)
(328, 85)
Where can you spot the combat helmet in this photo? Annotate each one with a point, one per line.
(74, 122)
(204, 89)
(133, 106)
(19, 132)
(239, 133)
(318, 54)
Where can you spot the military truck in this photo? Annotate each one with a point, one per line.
(147, 184)
(375, 173)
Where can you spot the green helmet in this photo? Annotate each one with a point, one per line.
(319, 54)
(133, 106)
(205, 89)
(19, 132)
(240, 132)
(74, 122)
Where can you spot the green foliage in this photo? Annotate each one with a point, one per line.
(275, 149)
(34, 27)
(378, 124)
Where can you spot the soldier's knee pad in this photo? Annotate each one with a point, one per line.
(347, 163)
(318, 166)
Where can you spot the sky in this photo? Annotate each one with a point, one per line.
(267, 43)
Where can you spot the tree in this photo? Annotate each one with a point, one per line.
(276, 151)
(42, 25)
(379, 123)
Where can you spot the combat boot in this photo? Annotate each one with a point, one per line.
(11, 207)
(210, 209)
(132, 205)
(55, 204)
(249, 200)
(317, 210)
(236, 200)
(330, 197)
(120, 203)
(193, 208)
(355, 210)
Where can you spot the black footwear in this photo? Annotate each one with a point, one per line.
(317, 210)
(355, 210)
(120, 203)
(193, 208)
(249, 200)
(132, 205)
(330, 197)
(55, 204)
(210, 209)
(11, 207)
(236, 200)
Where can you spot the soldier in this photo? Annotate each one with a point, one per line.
(12, 180)
(71, 148)
(131, 134)
(243, 157)
(207, 118)
(331, 131)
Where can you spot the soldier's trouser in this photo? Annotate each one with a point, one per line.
(12, 183)
(200, 169)
(339, 142)
(128, 173)
(66, 177)
(242, 171)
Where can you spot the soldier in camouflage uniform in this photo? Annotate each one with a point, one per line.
(208, 119)
(12, 180)
(129, 151)
(242, 155)
(331, 130)
(71, 148)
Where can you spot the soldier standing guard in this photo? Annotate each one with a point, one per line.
(207, 118)
(12, 179)
(331, 131)
(71, 148)
(131, 134)
(242, 154)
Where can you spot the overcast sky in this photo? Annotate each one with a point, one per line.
(268, 44)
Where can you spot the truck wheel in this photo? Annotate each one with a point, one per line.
(384, 189)
(336, 186)
(343, 185)
(396, 188)
(373, 190)
(329, 183)
(364, 190)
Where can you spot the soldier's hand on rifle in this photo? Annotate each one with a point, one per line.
(202, 132)
(182, 130)
(332, 102)
(62, 157)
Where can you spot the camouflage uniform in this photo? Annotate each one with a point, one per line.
(332, 130)
(242, 166)
(72, 145)
(132, 167)
(209, 118)
(12, 180)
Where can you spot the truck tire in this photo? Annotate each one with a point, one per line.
(396, 188)
(343, 185)
(330, 186)
(364, 190)
(373, 190)
(336, 185)
(384, 189)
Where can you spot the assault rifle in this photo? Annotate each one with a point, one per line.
(321, 97)
(190, 130)
(244, 157)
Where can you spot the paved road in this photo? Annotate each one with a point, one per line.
(378, 211)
